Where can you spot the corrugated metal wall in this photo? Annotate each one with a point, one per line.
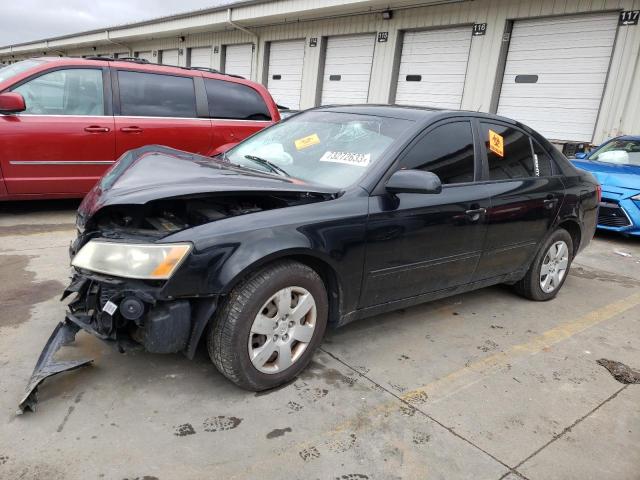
(619, 113)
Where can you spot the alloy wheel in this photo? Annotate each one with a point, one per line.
(282, 330)
(554, 266)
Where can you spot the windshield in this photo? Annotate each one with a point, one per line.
(16, 68)
(618, 152)
(326, 148)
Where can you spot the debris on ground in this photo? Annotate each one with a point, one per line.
(620, 371)
(622, 254)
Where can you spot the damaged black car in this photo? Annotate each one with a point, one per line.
(335, 214)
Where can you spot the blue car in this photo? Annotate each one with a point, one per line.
(616, 165)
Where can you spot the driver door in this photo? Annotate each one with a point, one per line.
(64, 141)
(423, 243)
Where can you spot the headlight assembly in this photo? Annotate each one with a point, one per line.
(131, 260)
(636, 198)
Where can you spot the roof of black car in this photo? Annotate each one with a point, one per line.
(404, 112)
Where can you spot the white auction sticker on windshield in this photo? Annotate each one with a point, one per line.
(348, 158)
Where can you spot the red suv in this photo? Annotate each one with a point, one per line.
(64, 121)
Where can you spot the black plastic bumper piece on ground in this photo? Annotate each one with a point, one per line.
(63, 334)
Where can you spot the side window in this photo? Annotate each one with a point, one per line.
(156, 95)
(446, 151)
(64, 92)
(508, 152)
(234, 100)
(542, 159)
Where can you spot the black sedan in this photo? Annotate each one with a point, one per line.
(335, 214)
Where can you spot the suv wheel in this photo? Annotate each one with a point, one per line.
(549, 269)
(267, 330)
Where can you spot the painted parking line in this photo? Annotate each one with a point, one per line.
(474, 372)
(461, 379)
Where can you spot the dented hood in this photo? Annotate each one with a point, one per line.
(156, 172)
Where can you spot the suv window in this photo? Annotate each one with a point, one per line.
(509, 152)
(156, 95)
(234, 100)
(64, 92)
(447, 151)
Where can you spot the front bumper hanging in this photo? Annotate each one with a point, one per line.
(46, 366)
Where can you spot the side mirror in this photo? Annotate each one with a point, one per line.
(581, 155)
(12, 102)
(414, 181)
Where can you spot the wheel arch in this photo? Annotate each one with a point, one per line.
(573, 227)
(322, 266)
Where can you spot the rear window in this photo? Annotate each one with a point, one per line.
(156, 95)
(235, 101)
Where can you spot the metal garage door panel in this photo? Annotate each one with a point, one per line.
(347, 69)
(200, 57)
(570, 56)
(238, 59)
(433, 67)
(286, 60)
(170, 57)
(146, 55)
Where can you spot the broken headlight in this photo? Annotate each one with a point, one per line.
(130, 260)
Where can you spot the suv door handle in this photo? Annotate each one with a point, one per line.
(131, 129)
(96, 129)
(475, 214)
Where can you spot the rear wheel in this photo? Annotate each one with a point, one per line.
(549, 269)
(267, 330)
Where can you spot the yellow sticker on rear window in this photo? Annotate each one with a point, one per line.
(496, 143)
(305, 142)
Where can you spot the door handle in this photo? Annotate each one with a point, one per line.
(131, 129)
(96, 129)
(475, 214)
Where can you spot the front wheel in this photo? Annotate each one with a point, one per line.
(549, 269)
(270, 325)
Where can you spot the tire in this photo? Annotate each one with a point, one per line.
(531, 285)
(238, 340)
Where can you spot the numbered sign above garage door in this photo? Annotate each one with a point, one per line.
(238, 60)
(347, 69)
(556, 72)
(200, 57)
(433, 67)
(285, 72)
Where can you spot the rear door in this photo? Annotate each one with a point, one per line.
(525, 198)
(158, 109)
(64, 141)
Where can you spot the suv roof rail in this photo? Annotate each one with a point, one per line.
(204, 69)
(119, 59)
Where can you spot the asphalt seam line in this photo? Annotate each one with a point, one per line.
(413, 407)
(573, 425)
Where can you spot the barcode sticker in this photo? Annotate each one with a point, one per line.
(110, 308)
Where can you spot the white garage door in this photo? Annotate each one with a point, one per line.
(347, 69)
(200, 57)
(237, 60)
(285, 72)
(170, 57)
(433, 67)
(147, 55)
(556, 72)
